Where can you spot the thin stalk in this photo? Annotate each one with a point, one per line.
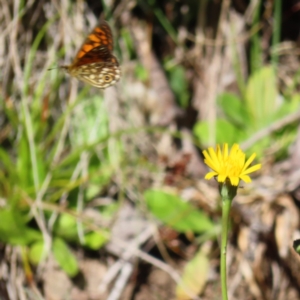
(227, 193)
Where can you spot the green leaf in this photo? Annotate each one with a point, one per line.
(194, 277)
(64, 257)
(288, 106)
(100, 175)
(95, 240)
(176, 213)
(128, 41)
(13, 229)
(262, 97)
(95, 125)
(226, 132)
(234, 108)
(8, 178)
(36, 252)
(24, 168)
(66, 227)
(6, 161)
(41, 164)
(141, 73)
(179, 85)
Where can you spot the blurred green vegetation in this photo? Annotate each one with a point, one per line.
(59, 156)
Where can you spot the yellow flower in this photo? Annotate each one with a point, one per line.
(232, 166)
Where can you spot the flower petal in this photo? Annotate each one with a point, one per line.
(246, 178)
(221, 178)
(210, 175)
(249, 161)
(213, 160)
(252, 169)
(234, 180)
(225, 151)
(230, 165)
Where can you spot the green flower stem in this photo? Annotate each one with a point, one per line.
(227, 192)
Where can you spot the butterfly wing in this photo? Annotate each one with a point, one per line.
(97, 47)
(94, 62)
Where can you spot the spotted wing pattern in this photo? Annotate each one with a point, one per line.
(94, 62)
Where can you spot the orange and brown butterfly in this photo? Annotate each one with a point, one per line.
(94, 62)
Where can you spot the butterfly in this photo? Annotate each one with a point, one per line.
(94, 62)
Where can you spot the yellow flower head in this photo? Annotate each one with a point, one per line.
(232, 166)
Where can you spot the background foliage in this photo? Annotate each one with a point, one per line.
(115, 177)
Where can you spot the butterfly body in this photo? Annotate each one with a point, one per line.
(94, 62)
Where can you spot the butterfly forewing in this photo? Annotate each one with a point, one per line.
(94, 62)
(99, 38)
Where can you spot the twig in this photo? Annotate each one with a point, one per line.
(121, 281)
(116, 248)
